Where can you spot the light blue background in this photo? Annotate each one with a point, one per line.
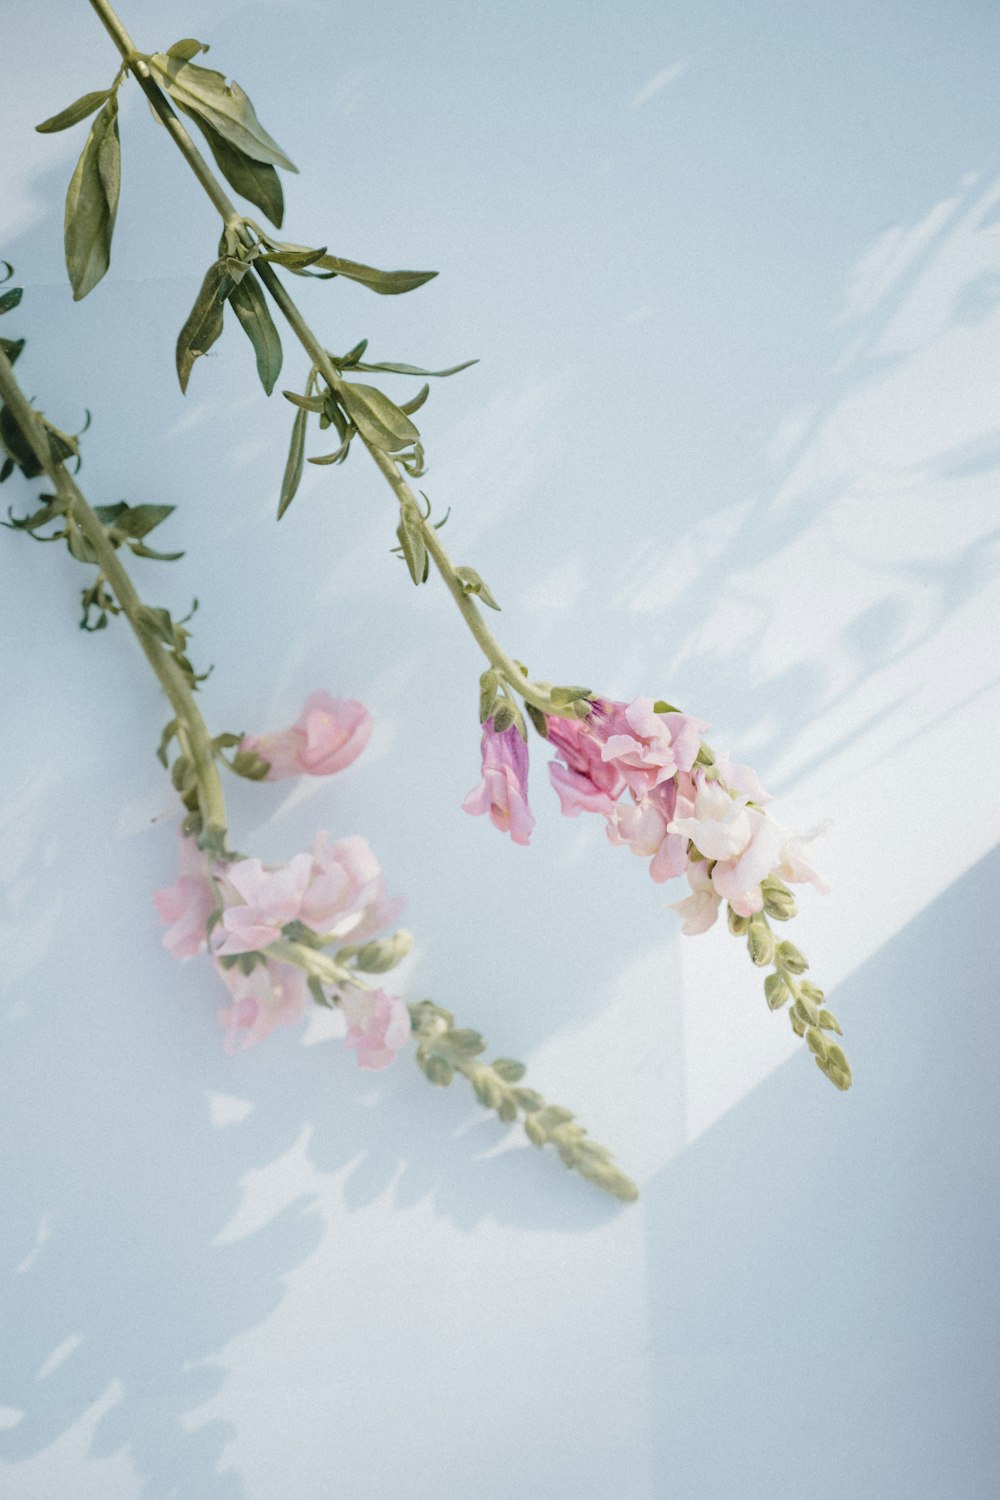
(734, 273)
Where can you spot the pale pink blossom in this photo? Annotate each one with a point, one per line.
(378, 1025)
(645, 827)
(794, 861)
(272, 994)
(699, 910)
(738, 879)
(719, 826)
(649, 748)
(270, 896)
(503, 791)
(329, 734)
(587, 782)
(741, 779)
(186, 906)
(345, 894)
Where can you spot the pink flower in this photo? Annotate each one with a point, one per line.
(186, 906)
(503, 791)
(646, 827)
(377, 1025)
(719, 826)
(272, 994)
(345, 892)
(329, 734)
(700, 909)
(587, 782)
(649, 748)
(270, 897)
(794, 862)
(738, 879)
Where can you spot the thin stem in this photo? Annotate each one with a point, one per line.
(191, 726)
(531, 692)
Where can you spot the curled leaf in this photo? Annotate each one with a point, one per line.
(204, 322)
(92, 203)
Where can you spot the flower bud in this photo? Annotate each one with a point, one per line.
(779, 902)
(776, 991)
(737, 924)
(760, 941)
(829, 1022)
(806, 1010)
(381, 956)
(789, 958)
(817, 1043)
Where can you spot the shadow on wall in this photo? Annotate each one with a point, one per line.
(828, 1323)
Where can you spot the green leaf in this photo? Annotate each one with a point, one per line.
(226, 108)
(92, 203)
(247, 301)
(157, 622)
(293, 467)
(139, 549)
(186, 48)
(12, 348)
(473, 584)
(386, 283)
(378, 419)
(74, 113)
(204, 322)
(295, 257)
(135, 520)
(415, 402)
(306, 403)
(255, 180)
(9, 300)
(350, 359)
(397, 369)
(414, 549)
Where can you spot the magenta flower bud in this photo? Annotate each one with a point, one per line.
(503, 791)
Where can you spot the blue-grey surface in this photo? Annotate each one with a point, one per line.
(733, 272)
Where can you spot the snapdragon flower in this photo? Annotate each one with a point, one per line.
(328, 735)
(503, 791)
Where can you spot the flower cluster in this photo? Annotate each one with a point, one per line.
(266, 926)
(687, 811)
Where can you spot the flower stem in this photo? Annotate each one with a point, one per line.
(191, 728)
(532, 692)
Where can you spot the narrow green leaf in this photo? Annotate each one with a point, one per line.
(225, 107)
(386, 283)
(204, 321)
(333, 458)
(9, 300)
(247, 301)
(350, 359)
(293, 467)
(256, 180)
(295, 257)
(397, 369)
(415, 402)
(378, 419)
(92, 203)
(307, 403)
(74, 113)
(139, 549)
(12, 348)
(139, 520)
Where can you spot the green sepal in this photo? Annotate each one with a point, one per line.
(563, 696)
(92, 203)
(248, 303)
(538, 720)
(75, 112)
(661, 706)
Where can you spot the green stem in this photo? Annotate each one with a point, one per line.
(192, 730)
(133, 59)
